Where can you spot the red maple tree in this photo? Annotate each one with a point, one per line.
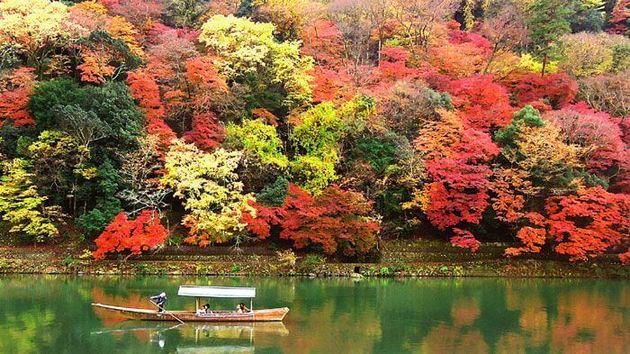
(15, 91)
(334, 220)
(133, 236)
(483, 104)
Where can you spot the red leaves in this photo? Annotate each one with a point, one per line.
(619, 18)
(15, 92)
(147, 93)
(334, 220)
(483, 103)
(581, 226)
(207, 133)
(556, 90)
(393, 66)
(459, 191)
(465, 239)
(134, 236)
(586, 225)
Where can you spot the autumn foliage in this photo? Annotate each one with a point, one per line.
(477, 120)
(580, 226)
(334, 220)
(131, 235)
(15, 91)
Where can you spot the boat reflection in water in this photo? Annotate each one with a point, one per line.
(203, 337)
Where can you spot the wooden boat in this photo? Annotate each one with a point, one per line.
(201, 292)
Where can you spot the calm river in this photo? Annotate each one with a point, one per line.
(52, 314)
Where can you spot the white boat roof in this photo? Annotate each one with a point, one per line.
(216, 291)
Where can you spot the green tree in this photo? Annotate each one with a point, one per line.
(258, 141)
(548, 21)
(58, 163)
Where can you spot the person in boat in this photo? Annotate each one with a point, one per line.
(241, 308)
(204, 310)
(160, 301)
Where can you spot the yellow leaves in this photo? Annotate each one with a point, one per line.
(119, 28)
(95, 67)
(91, 6)
(541, 149)
(249, 48)
(209, 187)
(32, 24)
(21, 206)
(588, 54)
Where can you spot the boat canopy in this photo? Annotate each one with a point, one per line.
(216, 291)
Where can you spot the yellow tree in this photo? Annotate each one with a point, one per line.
(34, 28)
(210, 190)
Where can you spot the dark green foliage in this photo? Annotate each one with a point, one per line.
(245, 9)
(591, 20)
(111, 103)
(102, 192)
(589, 179)
(13, 140)
(549, 20)
(95, 221)
(379, 152)
(49, 94)
(274, 194)
(527, 116)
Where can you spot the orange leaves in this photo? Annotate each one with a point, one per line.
(201, 72)
(587, 224)
(15, 91)
(95, 67)
(334, 220)
(532, 238)
(133, 236)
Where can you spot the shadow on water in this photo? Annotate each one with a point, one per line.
(53, 314)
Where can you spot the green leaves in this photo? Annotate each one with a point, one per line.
(258, 141)
(21, 206)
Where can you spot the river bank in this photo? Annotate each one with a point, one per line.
(397, 259)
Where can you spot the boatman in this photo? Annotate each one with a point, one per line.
(160, 301)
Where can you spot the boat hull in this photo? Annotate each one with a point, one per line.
(266, 315)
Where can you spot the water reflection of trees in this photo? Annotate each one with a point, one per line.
(332, 315)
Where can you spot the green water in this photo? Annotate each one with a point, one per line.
(52, 314)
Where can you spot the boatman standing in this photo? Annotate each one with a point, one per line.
(160, 301)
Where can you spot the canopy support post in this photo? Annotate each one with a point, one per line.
(197, 304)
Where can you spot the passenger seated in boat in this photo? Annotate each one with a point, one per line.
(204, 310)
(160, 301)
(241, 308)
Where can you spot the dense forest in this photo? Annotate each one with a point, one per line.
(323, 125)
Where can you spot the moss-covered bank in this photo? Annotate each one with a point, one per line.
(398, 258)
